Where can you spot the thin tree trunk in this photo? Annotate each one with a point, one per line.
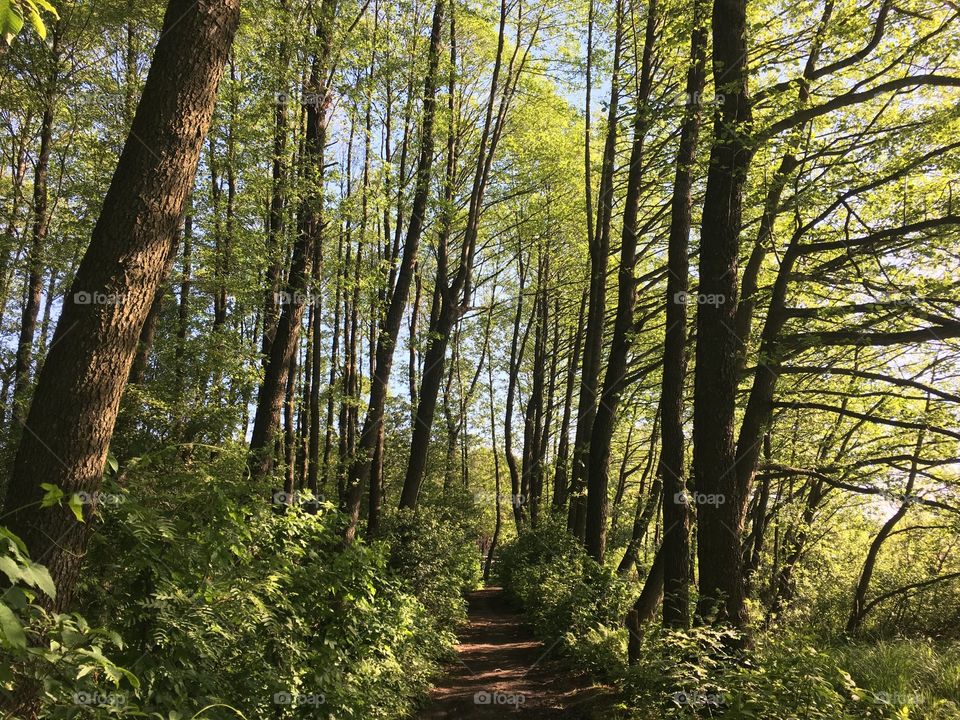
(35, 265)
(561, 488)
(613, 382)
(309, 223)
(596, 312)
(859, 609)
(498, 524)
(371, 438)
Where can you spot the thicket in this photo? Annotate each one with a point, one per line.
(212, 600)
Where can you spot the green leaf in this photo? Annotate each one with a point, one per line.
(11, 21)
(10, 568)
(39, 577)
(11, 627)
(76, 505)
(53, 494)
(37, 22)
(47, 6)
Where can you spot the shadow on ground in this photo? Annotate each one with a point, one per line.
(502, 669)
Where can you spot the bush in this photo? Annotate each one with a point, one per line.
(692, 674)
(566, 595)
(436, 555)
(57, 654)
(229, 608)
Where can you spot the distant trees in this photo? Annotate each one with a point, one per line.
(754, 325)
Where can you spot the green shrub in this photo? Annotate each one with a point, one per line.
(566, 595)
(227, 606)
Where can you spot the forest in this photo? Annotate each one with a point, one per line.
(384, 359)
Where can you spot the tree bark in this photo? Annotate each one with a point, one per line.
(718, 523)
(78, 392)
(676, 515)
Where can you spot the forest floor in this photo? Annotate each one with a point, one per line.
(502, 668)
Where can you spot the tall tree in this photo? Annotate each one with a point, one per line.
(317, 101)
(717, 373)
(370, 446)
(614, 381)
(78, 391)
(676, 516)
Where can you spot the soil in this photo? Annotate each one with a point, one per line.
(502, 669)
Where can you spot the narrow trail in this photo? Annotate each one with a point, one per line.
(502, 668)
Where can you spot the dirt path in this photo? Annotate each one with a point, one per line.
(503, 669)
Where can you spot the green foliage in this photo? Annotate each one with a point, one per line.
(14, 12)
(59, 654)
(225, 604)
(691, 674)
(566, 595)
(436, 555)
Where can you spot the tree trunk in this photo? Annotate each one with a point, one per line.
(362, 472)
(278, 202)
(676, 515)
(79, 388)
(601, 433)
(718, 522)
(597, 307)
(516, 357)
(285, 339)
(35, 271)
(561, 487)
(859, 609)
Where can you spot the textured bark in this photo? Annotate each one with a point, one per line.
(278, 203)
(719, 524)
(676, 515)
(644, 610)
(78, 391)
(498, 524)
(149, 331)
